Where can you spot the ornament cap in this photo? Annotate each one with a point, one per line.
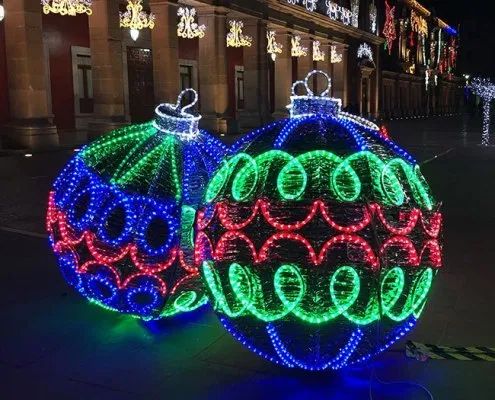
(311, 103)
(175, 119)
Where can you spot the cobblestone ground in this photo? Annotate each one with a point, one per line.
(54, 345)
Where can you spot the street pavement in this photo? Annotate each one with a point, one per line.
(54, 345)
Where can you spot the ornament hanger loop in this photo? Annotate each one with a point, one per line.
(326, 92)
(188, 106)
(306, 85)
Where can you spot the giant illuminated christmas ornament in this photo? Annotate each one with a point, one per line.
(319, 238)
(121, 214)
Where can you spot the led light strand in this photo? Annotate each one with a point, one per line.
(297, 50)
(67, 7)
(235, 37)
(318, 53)
(293, 296)
(273, 48)
(389, 30)
(187, 27)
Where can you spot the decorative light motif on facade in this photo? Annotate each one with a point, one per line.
(235, 37)
(2, 13)
(136, 19)
(310, 5)
(364, 51)
(318, 53)
(485, 89)
(338, 13)
(66, 7)
(187, 27)
(297, 49)
(418, 23)
(389, 28)
(273, 48)
(355, 13)
(335, 58)
(373, 18)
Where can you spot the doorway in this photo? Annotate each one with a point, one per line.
(141, 93)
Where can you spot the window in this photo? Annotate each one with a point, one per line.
(239, 87)
(85, 84)
(187, 80)
(82, 81)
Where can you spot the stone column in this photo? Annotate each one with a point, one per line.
(378, 83)
(305, 64)
(105, 38)
(213, 84)
(31, 124)
(321, 81)
(283, 76)
(256, 94)
(165, 48)
(340, 88)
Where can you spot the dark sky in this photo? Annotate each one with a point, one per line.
(477, 32)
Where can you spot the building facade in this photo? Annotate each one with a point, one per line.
(419, 63)
(61, 75)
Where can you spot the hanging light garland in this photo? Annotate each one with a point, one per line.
(389, 28)
(235, 37)
(335, 58)
(136, 19)
(485, 89)
(187, 27)
(297, 49)
(318, 53)
(373, 18)
(273, 48)
(66, 7)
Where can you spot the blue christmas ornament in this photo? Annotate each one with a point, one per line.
(121, 214)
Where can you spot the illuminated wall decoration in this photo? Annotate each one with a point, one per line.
(355, 13)
(273, 48)
(311, 5)
(121, 215)
(318, 53)
(187, 27)
(136, 19)
(373, 18)
(319, 239)
(335, 57)
(297, 49)
(485, 89)
(235, 37)
(418, 23)
(364, 51)
(66, 7)
(338, 13)
(2, 13)
(389, 30)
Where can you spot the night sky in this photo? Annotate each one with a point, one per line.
(476, 19)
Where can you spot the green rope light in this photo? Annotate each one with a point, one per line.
(244, 295)
(360, 175)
